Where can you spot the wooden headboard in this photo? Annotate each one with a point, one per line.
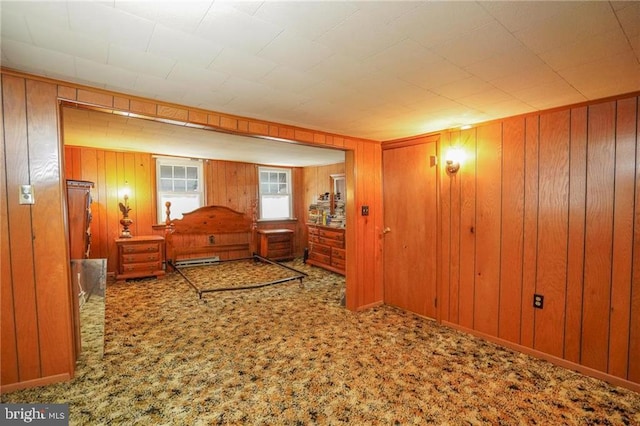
(210, 231)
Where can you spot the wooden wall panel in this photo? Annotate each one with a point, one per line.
(512, 227)
(8, 349)
(530, 230)
(467, 176)
(570, 230)
(145, 194)
(553, 178)
(49, 230)
(456, 223)
(113, 215)
(625, 164)
(363, 234)
(575, 245)
(599, 235)
(488, 221)
(37, 347)
(634, 332)
(444, 281)
(20, 222)
(99, 222)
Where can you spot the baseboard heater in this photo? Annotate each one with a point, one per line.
(197, 262)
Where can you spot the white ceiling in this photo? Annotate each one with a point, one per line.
(370, 69)
(85, 127)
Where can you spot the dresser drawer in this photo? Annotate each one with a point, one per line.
(140, 248)
(331, 234)
(279, 238)
(338, 254)
(140, 257)
(320, 249)
(338, 263)
(279, 246)
(331, 242)
(149, 267)
(323, 258)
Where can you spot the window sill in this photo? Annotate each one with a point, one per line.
(291, 219)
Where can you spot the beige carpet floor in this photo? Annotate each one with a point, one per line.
(294, 356)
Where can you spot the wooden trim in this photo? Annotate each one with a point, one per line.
(42, 381)
(616, 381)
(105, 101)
(412, 140)
(369, 306)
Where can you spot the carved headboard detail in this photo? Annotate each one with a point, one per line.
(210, 231)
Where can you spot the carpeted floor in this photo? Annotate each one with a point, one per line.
(289, 355)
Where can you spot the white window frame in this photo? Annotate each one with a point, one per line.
(262, 195)
(162, 196)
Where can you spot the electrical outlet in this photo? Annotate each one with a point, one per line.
(538, 301)
(365, 210)
(212, 239)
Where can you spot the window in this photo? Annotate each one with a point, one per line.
(179, 181)
(275, 193)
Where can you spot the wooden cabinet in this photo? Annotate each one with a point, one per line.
(326, 248)
(139, 257)
(275, 244)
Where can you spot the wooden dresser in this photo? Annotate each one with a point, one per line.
(139, 257)
(326, 248)
(275, 244)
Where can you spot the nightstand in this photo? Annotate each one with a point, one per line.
(275, 244)
(140, 257)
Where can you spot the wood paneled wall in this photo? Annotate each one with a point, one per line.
(37, 343)
(227, 183)
(548, 204)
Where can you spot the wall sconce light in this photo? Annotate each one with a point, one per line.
(453, 160)
(125, 209)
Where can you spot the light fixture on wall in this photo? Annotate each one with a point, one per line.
(453, 159)
(125, 209)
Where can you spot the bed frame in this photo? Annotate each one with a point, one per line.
(209, 232)
(213, 234)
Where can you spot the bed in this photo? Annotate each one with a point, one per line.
(213, 248)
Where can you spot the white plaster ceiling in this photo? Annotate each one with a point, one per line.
(89, 128)
(370, 69)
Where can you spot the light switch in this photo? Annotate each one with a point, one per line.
(26, 195)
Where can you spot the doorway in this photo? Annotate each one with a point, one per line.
(410, 220)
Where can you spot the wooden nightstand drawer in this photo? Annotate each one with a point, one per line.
(140, 248)
(140, 267)
(141, 257)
